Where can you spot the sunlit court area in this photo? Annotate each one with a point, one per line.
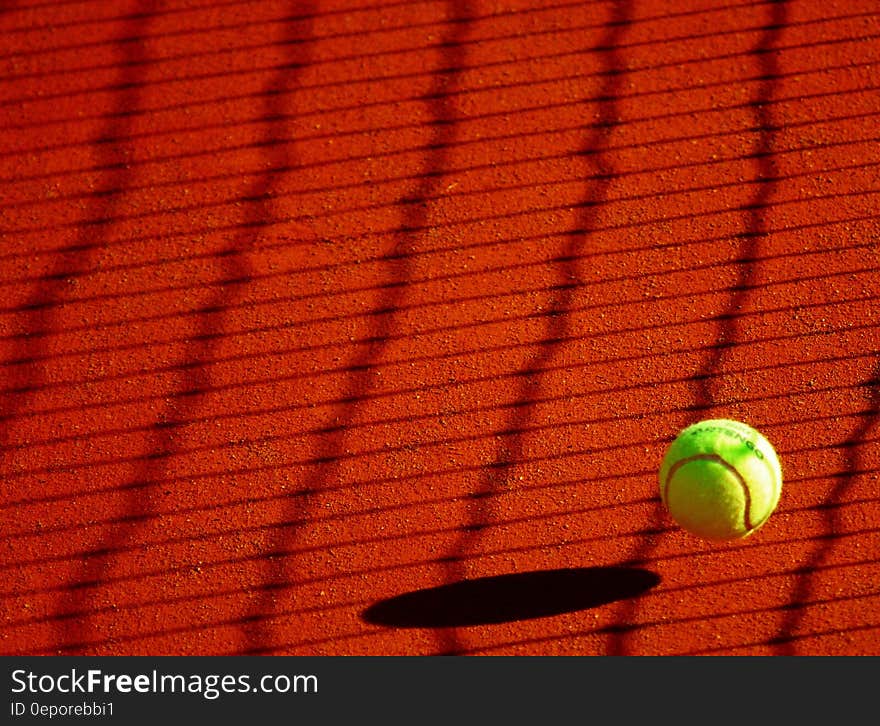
(361, 327)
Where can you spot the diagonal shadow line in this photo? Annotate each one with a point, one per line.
(202, 54)
(700, 617)
(325, 13)
(265, 469)
(512, 437)
(46, 306)
(718, 160)
(66, 554)
(70, 467)
(361, 55)
(374, 205)
(128, 17)
(228, 124)
(684, 591)
(513, 292)
(143, 574)
(224, 559)
(361, 604)
(287, 241)
(40, 314)
(327, 297)
(415, 74)
(239, 559)
(399, 394)
(233, 529)
(235, 274)
(387, 568)
(737, 650)
(402, 391)
(755, 231)
(856, 444)
(463, 222)
(425, 387)
(257, 634)
(11, 6)
(374, 7)
(217, 563)
(352, 290)
(572, 397)
(756, 227)
(212, 5)
(42, 306)
(363, 484)
(317, 136)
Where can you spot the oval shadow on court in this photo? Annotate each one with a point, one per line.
(508, 598)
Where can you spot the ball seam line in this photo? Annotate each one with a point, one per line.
(747, 519)
(745, 432)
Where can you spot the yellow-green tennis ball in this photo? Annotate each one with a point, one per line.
(720, 479)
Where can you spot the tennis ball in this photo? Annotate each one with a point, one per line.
(720, 479)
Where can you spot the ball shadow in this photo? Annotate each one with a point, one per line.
(509, 598)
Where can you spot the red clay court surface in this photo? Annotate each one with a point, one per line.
(361, 327)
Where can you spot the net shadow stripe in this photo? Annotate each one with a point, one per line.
(718, 161)
(357, 604)
(288, 408)
(286, 19)
(331, 37)
(670, 115)
(478, 89)
(233, 274)
(787, 636)
(766, 181)
(421, 563)
(344, 211)
(29, 388)
(765, 54)
(43, 309)
(715, 616)
(112, 325)
(789, 641)
(414, 209)
(385, 509)
(507, 216)
(511, 430)
(226, 535)
(383, 481)
(511, 437)
(317, 136)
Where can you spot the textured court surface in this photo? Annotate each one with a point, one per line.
(357, 327)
